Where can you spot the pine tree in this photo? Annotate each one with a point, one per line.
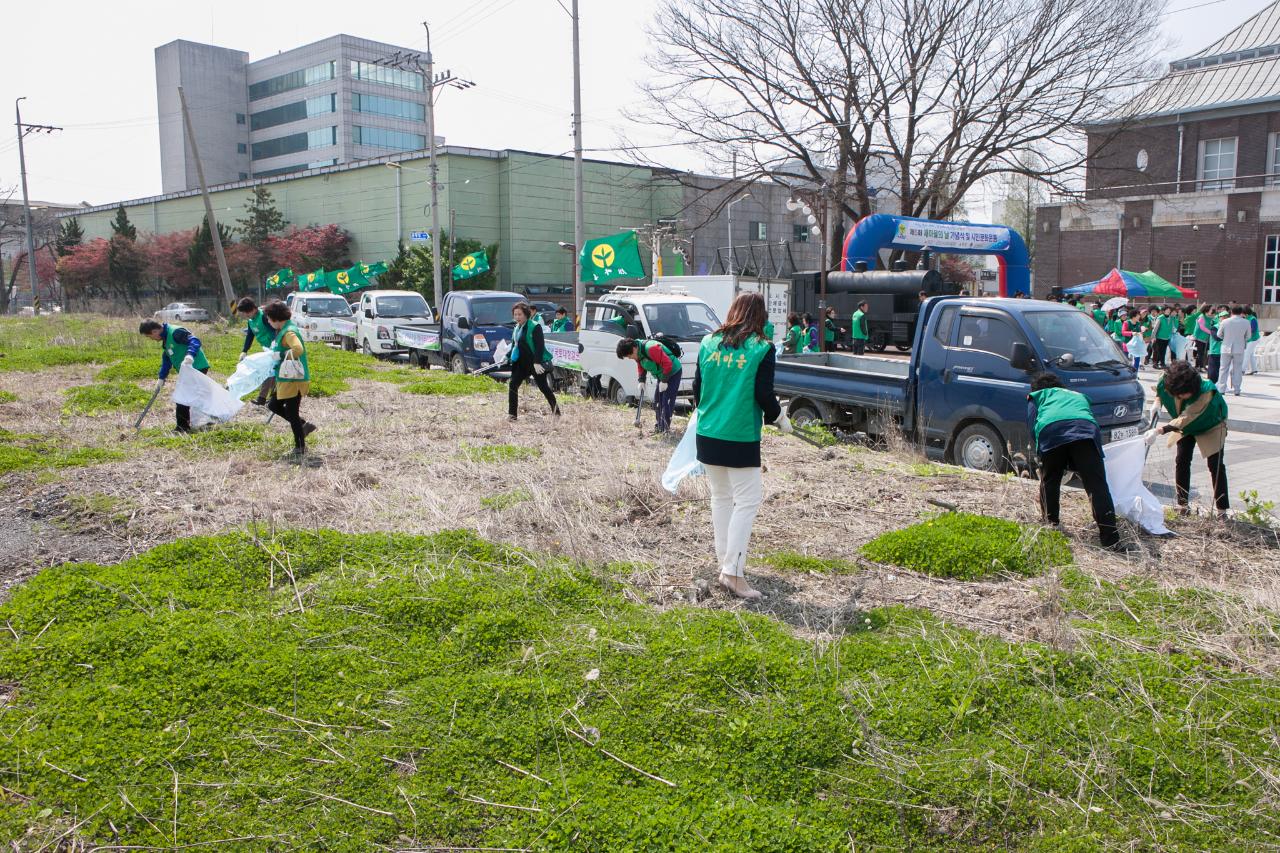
(262, 218)
(122, 227)
(201, 252)
(69, 234)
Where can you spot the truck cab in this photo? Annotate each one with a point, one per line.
(472, 324)
(314, 314)
(640, 312)
(380, 312)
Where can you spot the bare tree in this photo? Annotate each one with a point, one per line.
(918, 100)
(13, 245)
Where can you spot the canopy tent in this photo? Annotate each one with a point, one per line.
(1132, 285)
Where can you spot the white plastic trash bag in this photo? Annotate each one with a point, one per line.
(251, 373)
(684, 462)
(1177, 346)
(205, 397)
(1125, 461)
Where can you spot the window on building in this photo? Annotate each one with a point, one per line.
(242, 148)
(757, 231)
(381, 137)
(1271, 271)
(1187, 274)
(387, 76)
(297, 167)
(321, 137)
(1273, 159)
(799, 233)
(297, 111)
(384, 106)
(239, 118)
(1218, 164)
(293, 80)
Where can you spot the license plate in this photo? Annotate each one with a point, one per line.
(1121, 433)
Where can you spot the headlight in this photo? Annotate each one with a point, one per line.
(313, 326)
(384, 334)
(479, 342)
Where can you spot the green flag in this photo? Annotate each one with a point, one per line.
(281, 278)
(616, 256)
(472, 265)
(311, 281)
(346, 281)
(370, 270)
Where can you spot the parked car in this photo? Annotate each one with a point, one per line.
(181, 312)
(314, 314)
(473, 324)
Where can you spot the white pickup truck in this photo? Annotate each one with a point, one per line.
(637, 312)
(377, 318)
(315, 314)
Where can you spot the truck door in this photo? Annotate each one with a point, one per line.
(603, 325)
(983, 398)
(451, 337)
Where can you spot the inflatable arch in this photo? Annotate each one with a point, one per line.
(885, 231)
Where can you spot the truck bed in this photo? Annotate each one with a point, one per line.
(852, 380)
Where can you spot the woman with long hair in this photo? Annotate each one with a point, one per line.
(528, 358)
(733, 390)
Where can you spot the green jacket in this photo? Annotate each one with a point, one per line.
(1059, 404)
(727, 407)
(858, 327)
(277, 343)
(1189, 324)
(1214, 414)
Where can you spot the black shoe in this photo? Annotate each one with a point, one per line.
(259, 401)
(511, 418)
(183, 430)
(308, 428)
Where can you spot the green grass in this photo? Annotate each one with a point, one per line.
(423, 668)
(791, 561)
(224, 438)
(970, 547)
(506, 500)
(103, 398)
(107, 508)
(441, 383)
(498, 453)
(20, 452)
(8, 397)
(933, 469)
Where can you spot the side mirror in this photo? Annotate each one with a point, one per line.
(634, 331)
(1020, 356)
(368, 312)
(464, 323)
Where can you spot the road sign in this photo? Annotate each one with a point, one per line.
(419, 236)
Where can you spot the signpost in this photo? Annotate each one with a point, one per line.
(419, 236)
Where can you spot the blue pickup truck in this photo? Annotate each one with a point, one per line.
(472, 324)
(962, 393)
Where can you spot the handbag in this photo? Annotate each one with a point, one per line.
(291, 370)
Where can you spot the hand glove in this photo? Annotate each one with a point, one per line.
(1164, 429)
(783, 423)
(662, 386)
(539, 369)
(189, 360)
(1149, 437)
(241, 358)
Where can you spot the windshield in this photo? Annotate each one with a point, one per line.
(410, 305)
(494, 311)
(331, 307)
(1073, 333)
(685, 321)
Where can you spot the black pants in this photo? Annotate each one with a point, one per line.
(288, 409)
(828, 346)
(1182, 474)
(1215, 367)
(183, 413)
(1159, 351)
(266, 388)
(1202, 353)
(859, 346)
(1083, 458)
(522, 371)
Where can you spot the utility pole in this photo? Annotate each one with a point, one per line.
(23, 130)
(579, 222)
(451, 213)
(424, 65)
(227, 292)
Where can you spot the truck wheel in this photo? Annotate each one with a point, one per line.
(348, 345)
(803, 415)
(902, 348)
(978, 446)
(365, 348)
(415, 360)
(456, 364)
(618, 394)
(876, 345)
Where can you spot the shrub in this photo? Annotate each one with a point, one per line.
(100, 399)
(20, 452)
(969, 547)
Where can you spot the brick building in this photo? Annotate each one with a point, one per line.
(1186, 182)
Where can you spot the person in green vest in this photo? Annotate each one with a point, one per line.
(291, 384)
(769, 331)
(1099, 316)
(1211, 320)
(178, 348)
(653, 357)
(859, 329)
(1255, 334)
(1162, 334)
(1190, 319)
(830, 331)
(1198, 415)
(256, 329)
(1146, 324)
(561, 323)
(528, 359)
(794, 340)
(1202, 332)
(1115, 326)
(733, 392)
(1067, 437)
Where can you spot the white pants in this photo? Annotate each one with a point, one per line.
(735, 499)
(1250, 362)
(1231, 368)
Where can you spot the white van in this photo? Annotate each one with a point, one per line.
(314, 314)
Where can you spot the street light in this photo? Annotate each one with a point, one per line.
(733, 261)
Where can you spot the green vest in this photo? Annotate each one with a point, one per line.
(1189, 324)
(177, 352)
(1200, 334)
(829, 330)
(727, 407)
(1114, 328)
(1164, 327)
(651, 366)
(794, 340)
(856, 328)
(1100, 317)
(261, 329)
(1213, 414)
(1082, 307)
(1060, 404)
(560, 324)
(278, 343)
(768, 331)
(1215, 343)
(1256, 333)
(525, 344)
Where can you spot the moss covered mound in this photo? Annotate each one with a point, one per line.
(969, 547)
